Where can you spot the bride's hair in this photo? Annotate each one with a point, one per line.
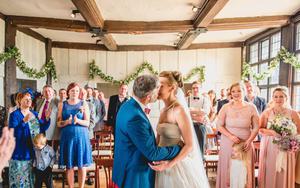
(174, 77)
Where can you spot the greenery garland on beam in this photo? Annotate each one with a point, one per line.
(48, 67)
(94, 70)
(283, 55)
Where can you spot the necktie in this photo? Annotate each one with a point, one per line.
(43, 117)
(147, 111)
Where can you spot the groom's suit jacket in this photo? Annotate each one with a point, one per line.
(135, 146)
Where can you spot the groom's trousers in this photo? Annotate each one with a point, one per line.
(201, 136)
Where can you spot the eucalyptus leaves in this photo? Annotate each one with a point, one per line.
(95, 71)
(283, 55)
(48, 67)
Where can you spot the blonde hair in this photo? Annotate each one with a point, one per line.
(40, 139)
(240, 148)
(285, 91)
(174, 77)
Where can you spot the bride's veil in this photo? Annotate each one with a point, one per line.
(196, 153)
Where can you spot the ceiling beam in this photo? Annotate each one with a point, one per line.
(247, 22)
(140, 27)
(32, 33)
(91, 13)
(90, 46)
(49, 23)
(204, 17)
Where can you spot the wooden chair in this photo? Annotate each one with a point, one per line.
(211, 162)
(256, 146)
(103, 144)
(214, 150)
(107, 165)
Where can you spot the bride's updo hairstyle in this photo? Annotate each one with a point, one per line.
(174, 77)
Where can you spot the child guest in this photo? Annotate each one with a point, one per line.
(44, 161)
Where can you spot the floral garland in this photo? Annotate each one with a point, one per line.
(48, 67)
(283, 55)
(94, 70)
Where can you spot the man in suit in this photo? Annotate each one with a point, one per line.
(135, 144)
(115, 102)
(49, 102)
(251, 96)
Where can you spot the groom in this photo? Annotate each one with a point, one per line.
(135, 144)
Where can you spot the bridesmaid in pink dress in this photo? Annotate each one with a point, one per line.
(237, 121)
(268, 175)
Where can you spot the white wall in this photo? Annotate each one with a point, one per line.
(223, 66)
(33, 53)
(2, 43)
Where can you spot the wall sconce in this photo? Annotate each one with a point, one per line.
(74, 12)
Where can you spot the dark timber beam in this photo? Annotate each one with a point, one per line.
(48, 47)
(91, 13)
(204, 17)
(10, 79)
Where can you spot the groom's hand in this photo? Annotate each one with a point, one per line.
(159, 165)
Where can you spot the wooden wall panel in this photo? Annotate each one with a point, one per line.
(117, 64)
(168, 60)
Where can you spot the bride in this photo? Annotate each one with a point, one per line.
(186, 169)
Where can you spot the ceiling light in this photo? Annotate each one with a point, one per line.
(74, 12)
(195, 8)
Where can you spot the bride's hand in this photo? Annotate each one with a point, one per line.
(159, 165)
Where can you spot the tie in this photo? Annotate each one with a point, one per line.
(43, 117)
(147, 111)
(196, 98)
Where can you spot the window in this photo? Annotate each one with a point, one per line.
(254, 53)
(261, 53)
(296, 76)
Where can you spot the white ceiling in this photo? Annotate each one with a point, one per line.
(252, 8)
(147, 10)
(66, 36)
(146, 39)
(226, 36)
(39, 8)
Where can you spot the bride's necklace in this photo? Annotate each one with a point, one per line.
(279, 111)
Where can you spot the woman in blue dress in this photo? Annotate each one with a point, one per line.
(75, 148)
(26, 126)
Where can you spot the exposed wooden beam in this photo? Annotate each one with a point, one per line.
(209, 10)
(247, 23)
(2, 16)
(79, 46)
(89, 46)
(49, 23)
(139, 27)
(261, 35)
(91, 13)
(206, 14)
(48, 48)
(32, 33)
(10, 79)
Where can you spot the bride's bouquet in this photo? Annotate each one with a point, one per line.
(285, 127)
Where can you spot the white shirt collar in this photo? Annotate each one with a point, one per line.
(141, 104)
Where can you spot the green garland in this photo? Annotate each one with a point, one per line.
(283, 55)
(94, 70)
(48, 67)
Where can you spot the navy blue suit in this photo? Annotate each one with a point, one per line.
(260, 103)
(135, 146)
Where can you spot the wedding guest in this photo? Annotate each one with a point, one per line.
(62, 95)
(43, 162)
(115, 102)
(74, 119)
(213, 106)
(221, 103)
(49, 102)
(27, 125)
(199, 108)
(99, 109)
(270, 172)
(237, 121)
(223, 94)
(251, 96)
(96, 93)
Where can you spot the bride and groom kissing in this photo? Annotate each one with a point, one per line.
(138, 154)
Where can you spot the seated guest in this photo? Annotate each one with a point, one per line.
(62, 95)
(223, 102)
(27, 125)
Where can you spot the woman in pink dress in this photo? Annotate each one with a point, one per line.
(237, 121)
(269, 176)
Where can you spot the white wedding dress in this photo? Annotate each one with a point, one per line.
(189, 172)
